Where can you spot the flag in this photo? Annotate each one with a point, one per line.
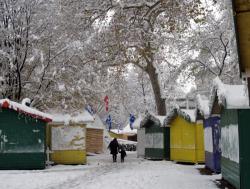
(131, 121)
(109, 122)
(106, 100)
(99, 108)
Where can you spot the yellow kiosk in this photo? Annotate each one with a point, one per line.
(186, 136)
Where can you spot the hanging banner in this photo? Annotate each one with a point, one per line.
(106, 100)
(131, 121)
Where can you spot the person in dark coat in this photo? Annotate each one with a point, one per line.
(123, 153)
(114, 147)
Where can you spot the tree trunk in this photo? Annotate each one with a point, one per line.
(159, 101)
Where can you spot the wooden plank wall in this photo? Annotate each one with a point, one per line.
(94, 140)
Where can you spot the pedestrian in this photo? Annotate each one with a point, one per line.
(123, 153)
(114, 147)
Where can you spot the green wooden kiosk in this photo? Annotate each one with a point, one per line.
(22, 136)
(231, 101)
(241, 117)
(156, 138)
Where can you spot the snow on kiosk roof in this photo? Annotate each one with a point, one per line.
(230, 96)
(203, 105)
(96, 123)
(128, 130)
(83, 117)
(21, 108)
(149, 119)
(187, 114)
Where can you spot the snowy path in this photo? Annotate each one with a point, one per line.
(101, 173)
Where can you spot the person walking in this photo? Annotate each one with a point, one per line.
(114, 147)
(123, 153)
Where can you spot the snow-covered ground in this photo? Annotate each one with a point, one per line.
(101, 173)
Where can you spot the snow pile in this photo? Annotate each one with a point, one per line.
(117, 131)
(122, 141)
(22, 108)
(83, 117)
(231, 96)
(68, 138)
(203, 105)
(230, 142)
(128, 130)
(124, 132)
